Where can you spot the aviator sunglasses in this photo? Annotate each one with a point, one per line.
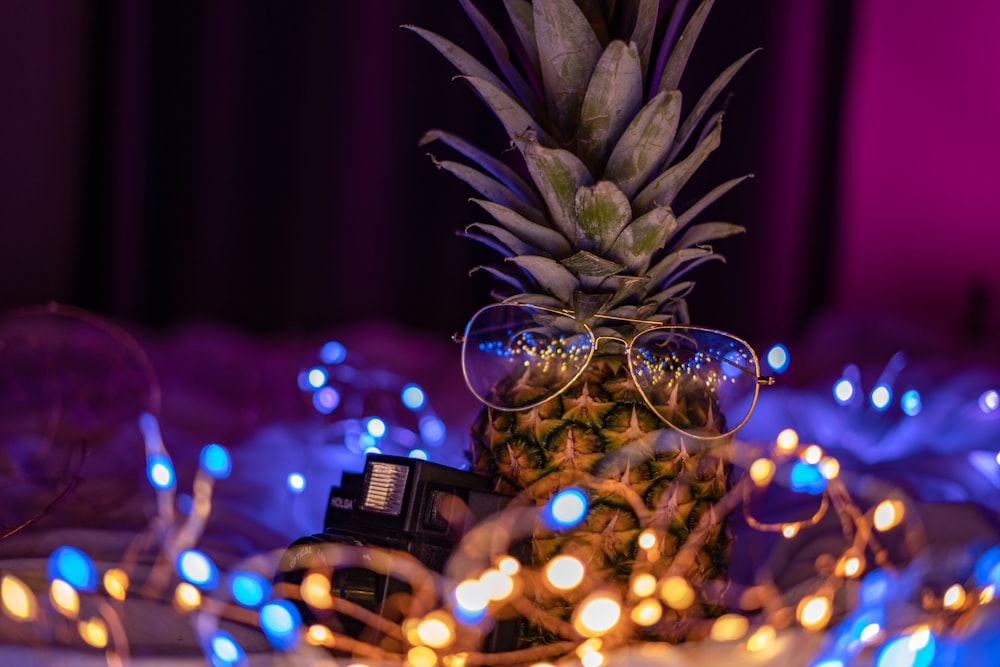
(699, 381)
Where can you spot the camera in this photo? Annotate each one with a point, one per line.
(400, 504)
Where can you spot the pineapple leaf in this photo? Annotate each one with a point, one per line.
(675, 291)
(626, 287)
(523, 20)
(498, 168)
(612, 100)
(586, 305)
(707, 231)
(588, 264)
(664, 188)
(544, 238)
(681, 51)
(500, 275)
(501, 54)
(499, 239)
(558, 174)
(668, 264)
(643, 31)
(602, 211)
(554, 278)
(684, 267)
(710, 198)
(516, 121)
(489, 187)
(463, 61)
(705, 101)
(568, 51)
(645, 143)
(643, 237)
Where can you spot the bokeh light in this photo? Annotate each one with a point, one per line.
(565, 509)
(777, 358)
(564, 572)
(225, 651)
(74, 567)
(296, 482)
(19, 602)
(160, 471)
(413, 397)
(844, 391)
(280, 621)
(248, 589)
(911, 403)
(881, 396)
(332, 353)
(989, 401)
(215, 460)
(596, 615)
(198, 569)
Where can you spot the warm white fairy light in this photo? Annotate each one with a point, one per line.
(829, 467)
(677, 593)
(498, 586)
(954, 597)
(315, 590)
(509, 565)
(319, 635)
(596, 615)
(421, 656)
(814, 612)
(94, 632)
(65, 598)
(437, 630)
(761, 471)
(812, 455)
(888, 514)
(789, 530)
(729, 627)
(116, 582)
(646, 612)
(647, 539)
(564, 572)
(761, 639)
(644, 584)
(19, 601)
(787, 441)
(186, 597)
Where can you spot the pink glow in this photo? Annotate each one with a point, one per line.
(920, 202)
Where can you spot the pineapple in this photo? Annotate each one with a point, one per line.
(583, 215)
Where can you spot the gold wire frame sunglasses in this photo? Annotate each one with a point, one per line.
(517, 356)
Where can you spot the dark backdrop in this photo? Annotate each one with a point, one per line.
(257, 162)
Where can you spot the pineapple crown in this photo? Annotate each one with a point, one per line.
(584, 218)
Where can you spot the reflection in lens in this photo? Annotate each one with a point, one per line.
(699, 381)
(519, 356)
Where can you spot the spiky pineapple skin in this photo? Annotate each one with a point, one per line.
(640, 474)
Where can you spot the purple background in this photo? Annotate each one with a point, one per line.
(257, 163)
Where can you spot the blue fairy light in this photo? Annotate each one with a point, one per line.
(74, 567)
(844, 390)
(419, 454)
(881, 396)
(296, 482)
(432, 430)
(987, 570)
(989, 401)
(829, 663)
(376, 427)
(280, 621)
(160, 471)
(224, 651)
(333, 352)
(413, 397)
(372, 449)
(326, 400)
(913, 650)
(876, 588)
(198, 569)
(215, 460)
(565, 509)
(777, 358)
(806, 478)
(249, 588)
(316, 377)
(911, 403)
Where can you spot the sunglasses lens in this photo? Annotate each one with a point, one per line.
(701, 382)
(520, 356)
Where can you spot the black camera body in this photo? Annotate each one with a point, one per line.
(402, 504)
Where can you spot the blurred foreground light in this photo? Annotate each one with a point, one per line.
(215, 460)
(225, 651)
(160, 471)
(729, 627)
(911, 403)
(881, 396)
(437, 630)
(197, 569)
(413, 397)
(644, 585)
(777, 358)
(888, 515)
(914, 650)
(316, 377)
(843, 391)
(509, 565)
(432, 430)
(596, 615)
(326, 400)
(19, 601)
(249, 589)
(565, 509)
(74, 567)
(813, 612)
(499, 586)
(647, 539)
(647, 612)
(316, 590)
(419, 454)
(296, 482)
(471, 597)
(677, 593)
(65, 598)
(787, 441)
(94, 632)
(762, 639)
(954, 597)
(987, 569)
(421, 656)
(989, 401)
(564, 572)
(332, 352)
(376, 427)
(806, 478)
(116, 583)
(186, 597)
(280, 622)
(761, 471)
